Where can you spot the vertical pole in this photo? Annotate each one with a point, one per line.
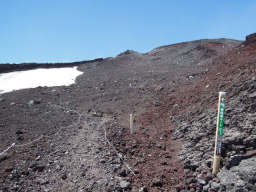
(219, 133)
(131, 124)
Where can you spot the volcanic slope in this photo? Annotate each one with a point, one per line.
(76, 138)
(195, 122)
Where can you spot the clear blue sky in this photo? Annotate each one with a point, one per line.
(73, 30)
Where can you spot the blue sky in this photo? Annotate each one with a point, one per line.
(73, 30)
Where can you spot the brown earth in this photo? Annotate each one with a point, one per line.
(84, 142)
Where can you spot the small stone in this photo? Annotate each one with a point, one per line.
(190, 77)
(252, 95)
(187, 165)
(164, 163)
(136, 171)
(201, 181)
(102, 161)
(240, 183)
(157, 103)
(123, 173)
(159, 88)
(143, 189)
(186, 171)
(25, 173)
(31, 102)
(2, 99)
(179, 187)
(34, 102)
(191, 180)
(199, 188)
(208, 176)
(124, 184)
(160, 146)
(206, 187)
(209, 163)
(156, 182)
(46, 190)
(19, 132)
(32, 165)
(40, 168)
(215, 186)
(3, 157)
(83, 173)
(97, 114)
(35, 167)
(192, 185)
(12, 103)
(9, 169)
(20, 138)
(216, 179)
(42, 181)
(204, 171)
(64, 176)
(80, 127)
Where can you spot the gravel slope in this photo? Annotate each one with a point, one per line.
(81, 131)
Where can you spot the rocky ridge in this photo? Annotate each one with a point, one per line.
(197, 128)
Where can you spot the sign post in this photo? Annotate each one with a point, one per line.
(219, 132)
(131, 124)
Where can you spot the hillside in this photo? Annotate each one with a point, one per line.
(80, 133)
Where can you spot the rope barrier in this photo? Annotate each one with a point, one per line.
(73, 124)
(47, 136)
(8, 148)
(113, 147)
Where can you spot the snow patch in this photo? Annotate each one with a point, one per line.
(38, 77)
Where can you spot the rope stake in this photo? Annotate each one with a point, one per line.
(131, 124)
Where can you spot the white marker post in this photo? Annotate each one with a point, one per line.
(131, 124)
(219, 132)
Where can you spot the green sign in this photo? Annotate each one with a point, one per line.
(221, 119)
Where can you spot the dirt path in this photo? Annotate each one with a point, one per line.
(88, 163)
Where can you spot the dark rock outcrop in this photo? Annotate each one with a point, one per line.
(250, 39)
(4, 68)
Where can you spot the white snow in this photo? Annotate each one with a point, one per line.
(38, 77)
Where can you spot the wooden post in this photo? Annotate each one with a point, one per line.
(219, 133)
(131, 124)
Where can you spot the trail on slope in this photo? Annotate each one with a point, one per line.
(88, 164)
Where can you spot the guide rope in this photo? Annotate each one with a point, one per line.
(66, 110)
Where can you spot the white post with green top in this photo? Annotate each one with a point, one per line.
(219, 132)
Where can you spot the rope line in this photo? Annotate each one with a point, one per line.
(7, 149)
(113, 147)
(48, 136)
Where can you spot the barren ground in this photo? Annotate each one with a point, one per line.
(80, 133)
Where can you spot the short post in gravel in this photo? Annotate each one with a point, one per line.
(131, 124)
(219, 132)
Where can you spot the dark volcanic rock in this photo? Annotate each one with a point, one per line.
(239, 176)
(198, 127)
(64, 176)
(251, 39)
(4, 68)
(156, 182)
